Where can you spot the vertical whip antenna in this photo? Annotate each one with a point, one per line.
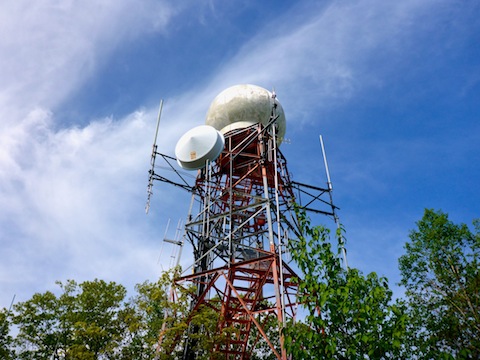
(335, 216)
(152, 160)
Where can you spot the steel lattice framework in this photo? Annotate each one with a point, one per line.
(240, 219)
(238, 234)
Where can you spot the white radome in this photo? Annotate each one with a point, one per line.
(244, 105)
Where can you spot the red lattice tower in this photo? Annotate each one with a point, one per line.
(240, 220)
(238, 235)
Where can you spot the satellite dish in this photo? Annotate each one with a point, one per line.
(198, 145)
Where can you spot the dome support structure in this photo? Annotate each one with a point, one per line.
(240, 221)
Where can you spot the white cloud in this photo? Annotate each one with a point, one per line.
(69, 195)
(49, 48)
(73, 195)
(74, 198)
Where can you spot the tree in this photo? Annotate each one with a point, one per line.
(161, 312)
(6, 340)
(440, 272)
(348, 315)
(93, 320)
(87, 321)
(260, 350)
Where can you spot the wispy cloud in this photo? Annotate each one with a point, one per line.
(67, 193)
(49, 49)
(68, 208)
(320, 56)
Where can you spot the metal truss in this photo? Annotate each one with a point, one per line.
(240, 220)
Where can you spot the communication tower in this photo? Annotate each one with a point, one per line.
(241, 217)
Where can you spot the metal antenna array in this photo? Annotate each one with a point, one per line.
(178, 242)
(240, 220)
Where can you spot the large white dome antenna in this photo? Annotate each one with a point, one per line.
(241, 106)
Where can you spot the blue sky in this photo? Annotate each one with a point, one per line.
(393, 87)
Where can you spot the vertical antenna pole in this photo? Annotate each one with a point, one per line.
(152, 160)
(335, 217)
(158, 123)
(329, 183)
(11, 304)
(281, 289)
(180, 242)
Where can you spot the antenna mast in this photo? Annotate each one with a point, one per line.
(152, 160)
(335, 216)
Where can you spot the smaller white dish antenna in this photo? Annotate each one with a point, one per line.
(198, 145)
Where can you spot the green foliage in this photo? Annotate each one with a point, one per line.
(154, 313)
(440, 271)
(164, 310)
(260, 349)
(94, 320)
(84, 322)
(6, 340)
(348, 315)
